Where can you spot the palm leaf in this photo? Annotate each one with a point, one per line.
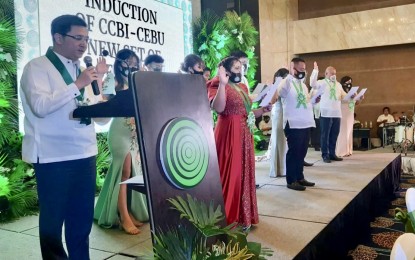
(173, 244)
(103, 159)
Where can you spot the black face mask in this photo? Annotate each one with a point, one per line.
(347, 87)
(126, 71)
(197, 72)
(299, 74)
(235, 77)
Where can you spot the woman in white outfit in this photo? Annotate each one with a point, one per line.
(278, 141)
(344, 146)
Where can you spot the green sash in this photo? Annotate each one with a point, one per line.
(247, 103)
(54, 59)
(351, 105)
(301, 99)
(332, 90)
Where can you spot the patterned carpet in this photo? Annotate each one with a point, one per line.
(385, 229)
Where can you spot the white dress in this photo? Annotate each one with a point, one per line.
(278, 141)
(344, 146)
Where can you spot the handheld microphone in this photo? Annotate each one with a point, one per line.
(94, 84)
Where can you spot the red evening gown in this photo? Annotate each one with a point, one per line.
(235, 149)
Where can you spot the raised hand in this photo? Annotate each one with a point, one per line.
(315, 65)
(292, 71)
(102, 66)
(223, 77)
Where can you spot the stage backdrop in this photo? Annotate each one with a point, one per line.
(144, 26)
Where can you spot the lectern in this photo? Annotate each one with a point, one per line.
(175, 134)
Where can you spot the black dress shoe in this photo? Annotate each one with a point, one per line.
(296, 186)
(308, 164)
(317, 149)
(326, 160)
(336, 158)
(306, 183)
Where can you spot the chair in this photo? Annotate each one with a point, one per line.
(404, 247)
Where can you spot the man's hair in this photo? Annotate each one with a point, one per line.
(62, 24)
(239, 54)
(297, 60)
(153, 58)
(386, 108)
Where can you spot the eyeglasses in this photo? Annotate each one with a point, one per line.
(78, 37)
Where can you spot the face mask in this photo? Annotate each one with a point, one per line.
(125, 71)
(333, 78)
(157, 69)
(235, 77)
(198, 72)
(300, 74)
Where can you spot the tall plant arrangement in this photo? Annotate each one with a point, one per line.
(18, 195)
(209, 40)
(215, 38)
(242, 35)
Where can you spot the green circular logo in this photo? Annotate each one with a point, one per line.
(184, 152)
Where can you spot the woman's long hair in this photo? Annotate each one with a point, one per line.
(122, 55)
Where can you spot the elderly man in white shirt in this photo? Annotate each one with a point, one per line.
(297, 121)
(330, 111)
(62, 149)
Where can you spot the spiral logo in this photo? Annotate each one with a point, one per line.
(184, 153)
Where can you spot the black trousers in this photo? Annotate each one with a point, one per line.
(315, 134)
(297, 140)
(66, 192)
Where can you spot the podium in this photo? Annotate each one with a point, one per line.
(175, 135)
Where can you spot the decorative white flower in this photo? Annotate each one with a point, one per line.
(234, 31)
(240, 39)
(251, 121)
(130, 123)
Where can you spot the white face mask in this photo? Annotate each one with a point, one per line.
(333, 78)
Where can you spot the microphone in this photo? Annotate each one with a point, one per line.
(94, 84)
(105, 53)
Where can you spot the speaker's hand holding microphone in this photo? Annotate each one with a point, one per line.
(88, 76)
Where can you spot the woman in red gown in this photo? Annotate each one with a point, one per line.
(234, 142)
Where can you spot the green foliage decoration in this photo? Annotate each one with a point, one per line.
(185, 243)
(242, 35)
(215, 38)
(208, 40)
(103, 159)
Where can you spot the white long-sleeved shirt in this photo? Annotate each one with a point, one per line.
(300, 117)
(328, 107)
(51, 133)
